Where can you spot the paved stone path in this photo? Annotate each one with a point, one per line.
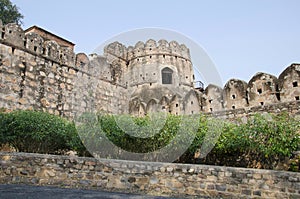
(43, 192)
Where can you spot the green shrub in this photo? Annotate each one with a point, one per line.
(270, 136)
(38, 132)
(134, 134)
(264, 139)
(261, 138)
(141, 143)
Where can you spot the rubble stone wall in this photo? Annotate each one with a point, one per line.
(41, 75)
(147, 177)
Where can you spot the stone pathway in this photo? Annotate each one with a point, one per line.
(45, 192)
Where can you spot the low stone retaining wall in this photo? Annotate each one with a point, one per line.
(147, 177)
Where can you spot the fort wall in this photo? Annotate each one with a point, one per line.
(39, 74)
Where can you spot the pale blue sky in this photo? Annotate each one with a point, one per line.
(241, 37)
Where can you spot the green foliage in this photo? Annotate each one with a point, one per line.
(200, 135)
(113, 135)
(263, 141)
(9, 13)
(141, 143)
(263, 138)
(38, 132)
(271, 136)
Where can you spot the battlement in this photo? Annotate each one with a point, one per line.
(13, 35)
(263, 89)
(39, 70)
(145, 61)
(150, 48)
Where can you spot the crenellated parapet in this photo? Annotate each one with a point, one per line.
(157, 50)
(289, 83)
(151, 48)
(235, 94)
(13, 35)
(143, 63)
(213, 98)
(263, 89)
(35, 43)
(115, 50)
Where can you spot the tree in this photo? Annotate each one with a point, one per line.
(9, 13)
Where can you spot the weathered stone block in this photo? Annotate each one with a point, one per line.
(210, 186)
(221, 187)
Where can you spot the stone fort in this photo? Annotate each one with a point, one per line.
(40, 71)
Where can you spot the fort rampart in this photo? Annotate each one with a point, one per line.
(39, 74)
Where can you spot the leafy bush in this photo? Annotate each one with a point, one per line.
(142, 143)
(144, 136)
(38, 132)
(264, 139)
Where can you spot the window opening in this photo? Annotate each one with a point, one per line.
(166, 74)
(295, 84)
(259, 91)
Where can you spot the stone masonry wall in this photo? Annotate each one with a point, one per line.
(41, 75)
(147, 177)
(291, 108)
